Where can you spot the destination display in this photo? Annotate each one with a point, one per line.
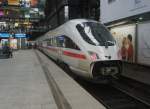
(20, 35)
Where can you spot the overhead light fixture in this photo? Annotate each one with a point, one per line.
(117, 24)
(140, 18)
(16, 24)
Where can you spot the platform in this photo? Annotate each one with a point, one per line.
(137, 72)
(23, 84)
(30, 80)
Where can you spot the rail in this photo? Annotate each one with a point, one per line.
(133, 88)
(117, 94)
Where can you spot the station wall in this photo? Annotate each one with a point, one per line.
(112, 10)
(144, 43)
(140, 40)
(120, 34)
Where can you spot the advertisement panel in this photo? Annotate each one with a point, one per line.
(13, 2)
(1, 13)
(144, 43)
(4, 42)
(112, 10)
(1, 1)
(125, 38)
(13, 43)
(34, 3)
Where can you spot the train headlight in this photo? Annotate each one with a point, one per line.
(93, 55)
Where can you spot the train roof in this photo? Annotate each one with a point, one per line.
(73, 21)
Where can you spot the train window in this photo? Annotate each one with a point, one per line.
(54, 42)
(60, 41)
(49, 42)
(44, 43)
(95, 34)
(83, 34)
(70, 44)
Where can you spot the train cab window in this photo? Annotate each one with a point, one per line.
(83, 34)
(70, 44)
(95, 34)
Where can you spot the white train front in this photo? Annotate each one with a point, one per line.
(86, 46)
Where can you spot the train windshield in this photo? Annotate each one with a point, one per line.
(95, 34)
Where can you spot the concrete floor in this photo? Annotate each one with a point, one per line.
(23, 84)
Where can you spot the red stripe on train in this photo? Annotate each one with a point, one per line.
(75, 55)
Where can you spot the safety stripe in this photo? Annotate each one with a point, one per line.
(75, 55)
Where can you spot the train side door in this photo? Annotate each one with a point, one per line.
(60, 45)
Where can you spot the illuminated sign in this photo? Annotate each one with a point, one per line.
(27, 16)
(20, 35)
(13, 2)
(4, 35)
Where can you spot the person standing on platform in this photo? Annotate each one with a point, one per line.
(124, 49)
(10, 52)
(130, 49)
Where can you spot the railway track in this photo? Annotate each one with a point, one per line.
(135, 89)
(123, 93)
(112, 97)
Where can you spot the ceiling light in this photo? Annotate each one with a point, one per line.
(140, 18)
(16, 24)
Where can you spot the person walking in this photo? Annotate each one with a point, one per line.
(10, 52)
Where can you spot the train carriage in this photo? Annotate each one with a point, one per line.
(86, 46)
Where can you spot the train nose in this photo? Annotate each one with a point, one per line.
(106, 68)
(108, 57)
(107, 54)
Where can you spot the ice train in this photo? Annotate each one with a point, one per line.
(86, 46)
